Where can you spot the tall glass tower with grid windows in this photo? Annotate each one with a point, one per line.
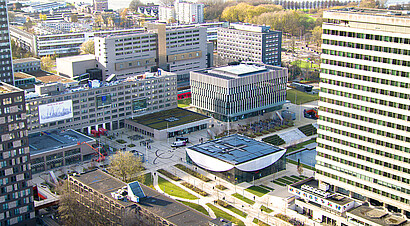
(364, 125)
(6, 69)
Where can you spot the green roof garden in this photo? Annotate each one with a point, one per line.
(169, 118)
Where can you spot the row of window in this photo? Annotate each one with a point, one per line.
(365, 187)
(367, 68)
(367, 36)
(367, 47)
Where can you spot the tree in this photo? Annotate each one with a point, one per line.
(317, 35)
(47, 63)
(42, 16)
(134, 4)
(74, 18)
(124, 165)
(367, 4)
(69, 209)
(87, 47)
(12, 16)
(300, 168)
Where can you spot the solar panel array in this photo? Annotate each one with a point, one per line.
(235, 149)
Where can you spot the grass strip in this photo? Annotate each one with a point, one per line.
(278, 183)
(169, 175)
(232, 208)
(267, 187)
(220, 213)
(284, 181)
(195, 206)
(243, 198)
(257, 190)
(193, 173)
(259, 222)
(174, 190)
(266, 209)
(300, 145)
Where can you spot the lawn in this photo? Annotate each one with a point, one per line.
(146, 179)
(195, 207)
(300, 145)
(243, 198)
(232, 208)
(266, 209)
(184, 103)
(284, 181)
(290, 179)
(172, 189)
(258, 222)
(257, 190)
(301, 97)
(304, 64)
(267, 188)
(220, 213)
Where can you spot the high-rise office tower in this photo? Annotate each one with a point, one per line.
(249, 42)
(6, 70)
(16, 196)
(364, 125)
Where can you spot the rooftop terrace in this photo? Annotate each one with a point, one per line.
(51, 140)
(236, 149)
(169, 118)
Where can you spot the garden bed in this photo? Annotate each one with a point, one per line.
(193, 173)
(195, 189)
(243, 198)
(169, 175)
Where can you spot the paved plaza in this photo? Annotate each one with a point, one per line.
(160, 155)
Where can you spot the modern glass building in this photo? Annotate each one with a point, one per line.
(231, 93)
(364, 122)
(237, 158)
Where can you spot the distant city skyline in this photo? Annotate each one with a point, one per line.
(119, 4)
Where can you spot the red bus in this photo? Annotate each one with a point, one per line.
(183, 94)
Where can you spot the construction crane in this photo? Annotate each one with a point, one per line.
(101, 158)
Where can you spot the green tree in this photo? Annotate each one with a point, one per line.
(367, 4)
(46, 63)
(317, 35)
(124, 165)
(87, 47)
(134, 4)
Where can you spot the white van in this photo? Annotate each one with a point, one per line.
(178, 144)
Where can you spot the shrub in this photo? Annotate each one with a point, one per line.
(222, 203)
(282, 217)
(265, 132)
(258, 134)
(271, 130)
(169, 175)
(195, 189)
(221, 187)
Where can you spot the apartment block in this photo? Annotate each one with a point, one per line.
(248, 42)
(189, 12)
(26, 64)
(60, 103)
(59, 43)
(178, 49)
(364, 121)
(100, 5)
(15, 172)
(231, 93)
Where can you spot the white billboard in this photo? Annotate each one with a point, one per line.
(55, 111)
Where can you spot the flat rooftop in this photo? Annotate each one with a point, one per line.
(6, 88)
(377, 216)
(335, 198)
(77, 58)
(238, 71)
(25, 60)
(155, 202)
(235, 149)
(374, 12)
(22, 75)
(169, 118)
(55, 139)
(48, 77)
